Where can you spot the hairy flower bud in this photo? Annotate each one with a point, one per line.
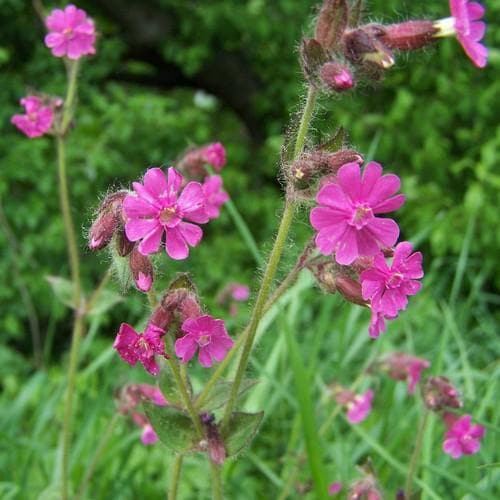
(365, 45)
(410, 35)
(365, 489)
(182, 304)
(142, 270)
(107, 221)
(439, 393)
(331, 23)
(123, 245)
(336, 77)
(312, 56)
(324, 272)
(350, 289)
(215, 445)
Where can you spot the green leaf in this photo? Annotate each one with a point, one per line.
(174, 428)
(168, 386)
(336, 142)
(63, 290)
(106, 300)
(241, 430)
(219, 395)
(121, 269)
(182, 280)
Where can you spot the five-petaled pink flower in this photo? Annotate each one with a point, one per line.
(462, 438)
(38, 118)
(401, 366)
(206, 334)
(133, 347)
(215, 155)
(387, 287)
(470, 29)
(346, 218)
(215, 197)
(156, 208)
(359, 407)
(71, 33)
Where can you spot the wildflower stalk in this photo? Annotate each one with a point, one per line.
(216, 481)
(175, 476)
(272, 264)
(69, 102)
(414, 461)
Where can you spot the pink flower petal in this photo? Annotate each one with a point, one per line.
(349, 179)
(175, 245)
(151, 241)
(155, 182)
(386, 231)
(191, 233)
(346, 251)
(135, 229)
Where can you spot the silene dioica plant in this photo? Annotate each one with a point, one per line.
(354, 251)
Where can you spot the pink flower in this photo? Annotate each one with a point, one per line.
(38, 118)
(470, 29)
(206, 334)
(215, 155)
(387, 287)
(156, 208)
(377, 324)
(71, 33)
(359, 407)
(214, 196)
(346, 218)
(148, 435)
(401, 366)
(153, 393)
(334, 488)
(462, 438)
(239, 292)
(133, 347)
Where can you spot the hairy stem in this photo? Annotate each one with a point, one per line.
(414, 461)
(272, 264)
(69, 102)
(174, 478)
(216, 481)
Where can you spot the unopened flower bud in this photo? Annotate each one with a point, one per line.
(193, 164)
(331, 24)
(123, 245)
(325, 273)
(182, 304)
(365, 489)
(410, 35)
(439, 393)
(142, 270)
(312, 56)
(107, 221)
(161, 317)
(336, 77)
(215, 445)
(350, 289)
(365, 45)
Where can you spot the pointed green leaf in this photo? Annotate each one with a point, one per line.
(331, 24)
(174, 428)
(220, 393)
(241, 430)
(182, 280)
(63, 290)
(336, 142)
(168, 386)
(121, 269)
(106, 300)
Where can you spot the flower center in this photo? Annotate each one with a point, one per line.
(68, 32)
(361, 216)
(167, 214)
(32, 116)
(395, 280)
(204, 340)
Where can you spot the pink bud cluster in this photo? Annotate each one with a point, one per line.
(348, 226)
(130, 398)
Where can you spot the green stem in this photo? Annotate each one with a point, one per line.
(153, 302)
(69, 102)
(216, 481)
(272, 264)
(97, 456)
(175, 476)
(414, 461)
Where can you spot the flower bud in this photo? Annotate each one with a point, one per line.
(193, 164)
(410, 35)
(214, 444)
(142, 270)
(439, 393)
(312, 56)
(331, 23)
(182, 304)
(336, 77)
(123, 245)
(161, 317)
(365, 489)
(350, 289)
(107, 221)
(325, 273)
(365, 45)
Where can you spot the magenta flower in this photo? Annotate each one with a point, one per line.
(206, 334)
(71, 33)
(470, 29)
(401, 366)
(359, 407)
(462, 438)
(240, 292)
(346, 221)
(334, 488)
(38, 118)
(214, 196)
(377, 324)
(133, 347)
(215, 155)
(387, 287)
(156, 208)
(152, 393)
(148, 435)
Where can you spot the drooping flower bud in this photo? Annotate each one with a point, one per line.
(182, 304)
(350, 289)
(123, 245)
(194, 161)
(365, 45)
(142, 270)
(325, 273)
(439, 393)
(336, 77)
(107, 222)
(411, 35)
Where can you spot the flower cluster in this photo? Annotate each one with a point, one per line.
(130, 398)
(38, 118)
